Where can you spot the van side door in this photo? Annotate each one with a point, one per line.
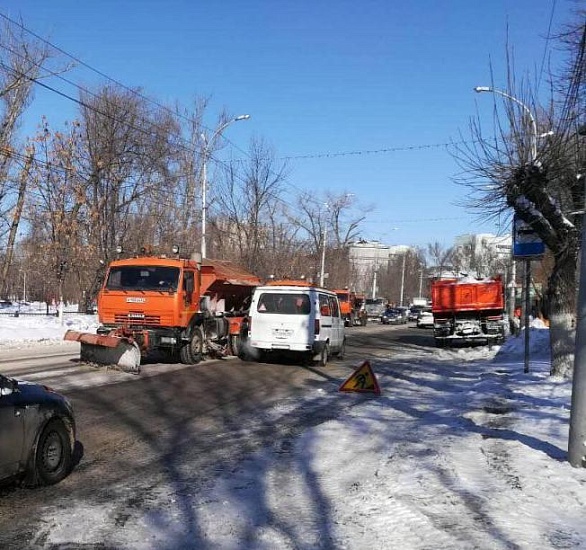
(337, 324)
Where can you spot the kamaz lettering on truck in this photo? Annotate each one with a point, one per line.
(468, 310)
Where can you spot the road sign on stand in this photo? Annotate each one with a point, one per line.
(361, 380)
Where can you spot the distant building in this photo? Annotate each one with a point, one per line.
(482, 254)
(366, 258)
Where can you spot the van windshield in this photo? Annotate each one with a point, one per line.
(284, 303)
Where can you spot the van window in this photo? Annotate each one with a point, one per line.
(334, 307)
(284, 303)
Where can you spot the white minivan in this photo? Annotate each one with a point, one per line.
(296, 318)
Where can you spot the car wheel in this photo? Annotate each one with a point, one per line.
(191, 353)
(324, 355)
(53, 458)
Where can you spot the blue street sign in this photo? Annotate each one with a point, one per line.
(526, 243)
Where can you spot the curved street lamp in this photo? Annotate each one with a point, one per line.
(208, 143)
(479, 89)
(322, 273)
(534, 137)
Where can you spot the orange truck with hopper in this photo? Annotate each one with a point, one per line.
(468, 310)
(352, 307)
(182, 307)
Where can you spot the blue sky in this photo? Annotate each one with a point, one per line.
(329, 80)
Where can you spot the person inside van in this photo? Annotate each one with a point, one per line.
(302, 305)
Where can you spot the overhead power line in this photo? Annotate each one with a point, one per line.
(376, 151)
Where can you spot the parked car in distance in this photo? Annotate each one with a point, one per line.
(375, 307)
(414, 312)
(404, 311)
(425, 319)
(37, 433)
(393, 316)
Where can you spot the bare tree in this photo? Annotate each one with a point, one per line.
(248, 209)
(440, 258)
(21, 64)
(127, 152)
(187, 178)
(541, 187)
(329, 217)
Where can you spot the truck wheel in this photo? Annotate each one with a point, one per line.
(235, 345)
(191, 353)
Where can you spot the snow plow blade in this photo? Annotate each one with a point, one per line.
(107, 349)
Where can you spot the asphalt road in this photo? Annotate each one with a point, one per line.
(176, 424)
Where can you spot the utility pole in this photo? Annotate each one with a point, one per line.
(512, 288)
(526, 312)
(402, 279)
(577, 440)
(206, 150)
(322, 274)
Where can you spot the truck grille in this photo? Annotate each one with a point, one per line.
(137, 319)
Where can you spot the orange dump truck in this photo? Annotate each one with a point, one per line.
(182, 307)
(468, 310)
(352, 307)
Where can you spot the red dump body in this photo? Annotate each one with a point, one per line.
(451, 295)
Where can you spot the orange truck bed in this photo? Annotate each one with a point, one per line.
(450, 296)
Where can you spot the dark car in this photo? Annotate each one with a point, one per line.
(414, 312)
(393, 316)
(37, 433)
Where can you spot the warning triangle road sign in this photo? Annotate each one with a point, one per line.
(361, 380)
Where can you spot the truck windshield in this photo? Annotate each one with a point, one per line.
(143, 277)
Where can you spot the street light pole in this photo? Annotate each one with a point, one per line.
(479, 89)
(533, 159)
(577, 439)
(207, 146)
(322, 273)
(402, 279)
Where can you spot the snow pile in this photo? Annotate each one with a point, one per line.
(26, 324)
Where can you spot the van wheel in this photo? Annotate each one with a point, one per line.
(191, 353)
(324, 355)
(342, 352)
